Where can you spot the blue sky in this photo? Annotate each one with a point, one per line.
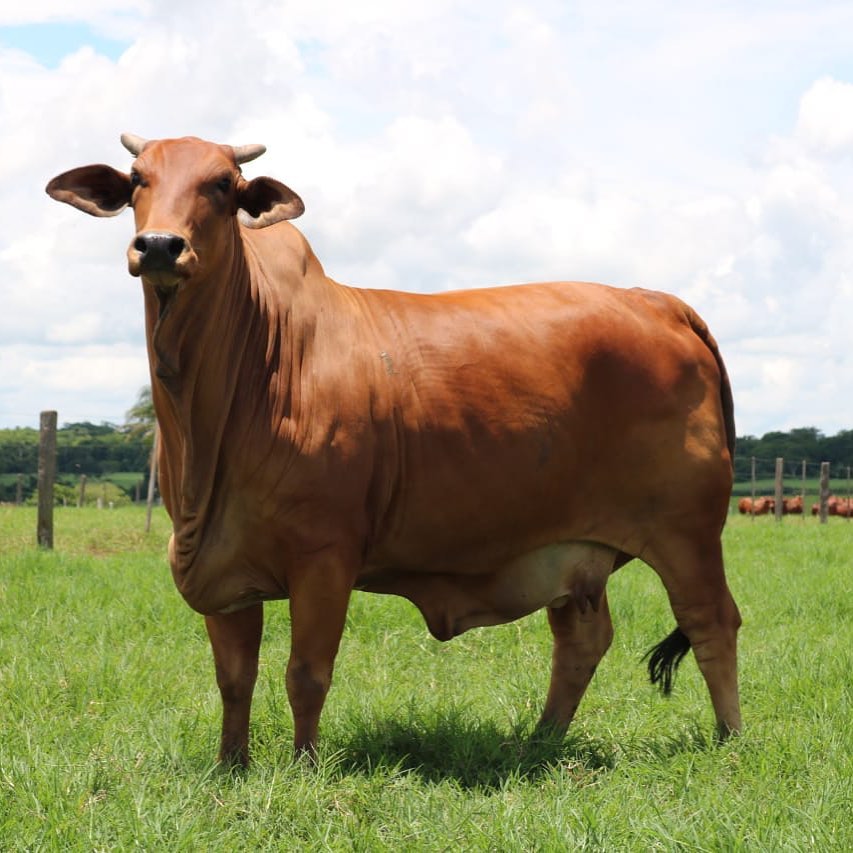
(49, 42)
(699, 148)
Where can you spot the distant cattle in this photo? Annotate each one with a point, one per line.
(483, 453)
(792, 506)
(766, 505)
(834, 506)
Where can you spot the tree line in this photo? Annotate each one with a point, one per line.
(101, 451)
(804, 444)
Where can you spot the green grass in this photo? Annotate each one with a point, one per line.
(110, 715)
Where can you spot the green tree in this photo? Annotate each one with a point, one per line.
(140, 417)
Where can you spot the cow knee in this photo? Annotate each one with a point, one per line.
(306, 687)
(236, 686)
(700, 617)
(711, 629)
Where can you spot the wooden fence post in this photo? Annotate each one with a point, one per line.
(752, 491)
(803, 492)
(780, 471)
(19, 490)
(152, 479)
(46, 478)
(824, 491)
(81, 500)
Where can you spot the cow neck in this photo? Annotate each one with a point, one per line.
(275, 387)
(196, 340)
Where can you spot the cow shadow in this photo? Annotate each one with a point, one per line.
(482, 755)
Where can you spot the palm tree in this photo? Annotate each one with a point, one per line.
(140, 418)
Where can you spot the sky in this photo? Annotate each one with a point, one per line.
(700, 148)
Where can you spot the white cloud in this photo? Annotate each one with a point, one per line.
(83, 382)
(701, 151)
(90, 368)
(49, 11)
(77, 329)
(825, 120)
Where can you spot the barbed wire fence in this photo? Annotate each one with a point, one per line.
(47, 481)
(825, 488)
(765, 468)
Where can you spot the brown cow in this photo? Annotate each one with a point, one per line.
(763, 506)
(833, 504)
(842, 507)
(759, 506)
(792, 506)
(484, 454)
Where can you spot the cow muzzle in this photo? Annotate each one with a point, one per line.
(161, 256)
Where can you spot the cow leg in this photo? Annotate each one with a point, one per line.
(236, 639)
(318, 607)
(580, 641)
(705, 611)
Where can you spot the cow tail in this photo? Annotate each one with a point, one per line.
(664, 659)
(726, 398)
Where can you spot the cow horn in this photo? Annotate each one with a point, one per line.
(245, 153)
(133, 143)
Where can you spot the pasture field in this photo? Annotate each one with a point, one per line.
(109, 715)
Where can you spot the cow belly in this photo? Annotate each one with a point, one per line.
(550, 576)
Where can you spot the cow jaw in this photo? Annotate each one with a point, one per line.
(166, 284)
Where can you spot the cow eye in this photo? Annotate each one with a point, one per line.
(224, 184)
(135, 179)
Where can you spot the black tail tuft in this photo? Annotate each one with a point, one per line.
(665, 657)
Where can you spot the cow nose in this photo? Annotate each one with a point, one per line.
(158, 250)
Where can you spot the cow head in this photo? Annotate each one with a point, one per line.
(185, 194)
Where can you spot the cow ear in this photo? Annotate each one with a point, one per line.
(98, 190)
(264, 201)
